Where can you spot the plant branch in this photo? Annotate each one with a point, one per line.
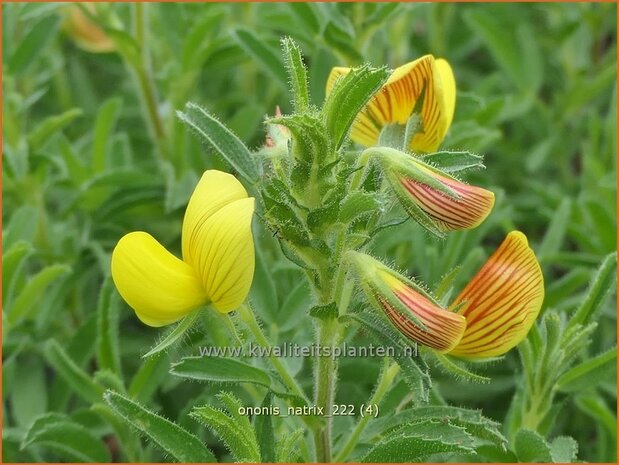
(382, 386)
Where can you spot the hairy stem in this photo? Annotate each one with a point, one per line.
(247, 315)
(325, 379)
(384, 382)
(145, 82)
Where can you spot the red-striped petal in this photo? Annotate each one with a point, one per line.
(443, 328)
(466, 211)
(502, 301)
(395, 102)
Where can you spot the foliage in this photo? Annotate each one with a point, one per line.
(93, 147)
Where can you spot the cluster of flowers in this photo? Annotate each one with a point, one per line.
(492, 314)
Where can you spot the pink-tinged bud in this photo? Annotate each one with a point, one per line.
(411, 310)
(435, 199)
(276, 133)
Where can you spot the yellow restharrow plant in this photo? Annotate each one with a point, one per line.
(427, 78)
(491, 315)
(218, 257)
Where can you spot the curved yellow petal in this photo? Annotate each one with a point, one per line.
(395, 102)
(502, 301)
(448, 83)
(157, 285)
(87, 34)
(336, 73)
(215, 190)
(222, 249)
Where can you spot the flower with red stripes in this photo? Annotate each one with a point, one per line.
(492, 314)
(425, 85)
(436, 200)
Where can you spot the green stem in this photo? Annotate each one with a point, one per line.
(145, 82)
(247, 315)
(387, 376)
(325, 379)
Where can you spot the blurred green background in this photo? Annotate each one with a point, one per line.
(92, 149)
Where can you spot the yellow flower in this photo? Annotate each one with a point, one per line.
(492, 314)
(87, 34)
(395, 102)
(218, 257)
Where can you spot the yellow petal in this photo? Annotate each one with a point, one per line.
(336, 73)
(502, 301)
(215, 190)
(157, 285)
(395, 102)
(448, 82)
(86, 33)
(223, 254)
(443, 328)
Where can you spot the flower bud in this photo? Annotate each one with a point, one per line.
(410, 309)
(436, 200)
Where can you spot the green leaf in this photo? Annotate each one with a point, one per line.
(513, 48)
(564, 449)
(222, 140)
(81, 383)
(593, 405)
(263, 293)
(72, 441)
(171, 438)
(530, 446)
(348, 97)
(484, 430)
(342, 41)
(108, 353)
(458, 370)
(416, 442)
(265, 435)
(29, 397)
(306, 14)
(268, 58)
(220, 370)
(51, 126)
(233, 428)
(12, 261)
(601, 285)
(22, 226)
(32, 45)
(454, 161)
(358, 205)
(589, 373)
(104, 128)
(287, 448)
(126, 46)
(178, 332)
(324, 312)
(25, 304)
(414, 369)
(146, 380)
(555, 233)
(297, 75)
